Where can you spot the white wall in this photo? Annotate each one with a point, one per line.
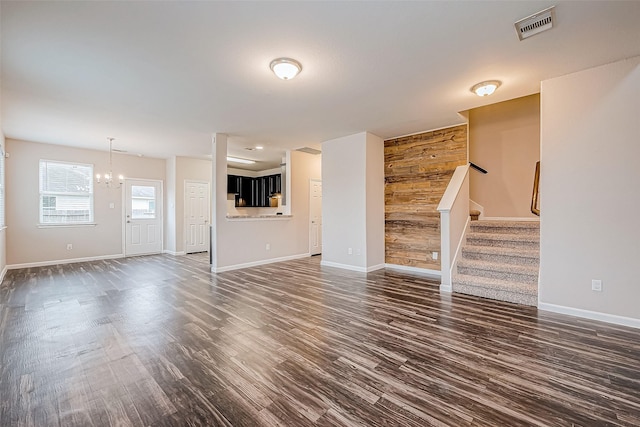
(27, 243)
(3, 235)
(170, 206)
(243, 242)
(375, 200)
(504, 138)
(353, 202)
(3, 230)
(590, 146)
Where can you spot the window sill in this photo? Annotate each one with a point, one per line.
(86, 224)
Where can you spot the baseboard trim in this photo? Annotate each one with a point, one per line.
(62, 261)
(446, 288)
(375, 268)
(509, 218)
(435, 274)
(592, 315)
(352, 267)
(168, 252)
(4, 272)
(256, 263)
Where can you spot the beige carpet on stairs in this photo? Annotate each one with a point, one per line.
(500, 260)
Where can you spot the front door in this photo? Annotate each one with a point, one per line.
(143, 217)
(315, 217)
(196, 212)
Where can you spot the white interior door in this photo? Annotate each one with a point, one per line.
(196, 212)
(143, 217)
(315, 217)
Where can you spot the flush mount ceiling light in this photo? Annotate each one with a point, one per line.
(285, 68)
(486, 88)
(237, 160)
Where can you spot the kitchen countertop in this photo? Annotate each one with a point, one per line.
(259, 216)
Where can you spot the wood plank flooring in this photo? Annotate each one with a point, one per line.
(160, 341)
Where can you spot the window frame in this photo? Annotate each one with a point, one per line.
(42, 194)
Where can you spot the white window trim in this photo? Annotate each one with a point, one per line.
(90, 223)
(70, 225)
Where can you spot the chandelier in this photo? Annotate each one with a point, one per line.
(107, 178)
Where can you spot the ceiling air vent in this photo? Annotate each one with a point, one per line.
(309, 150)
(536, 23)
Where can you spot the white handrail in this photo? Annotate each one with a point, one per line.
(454, 220)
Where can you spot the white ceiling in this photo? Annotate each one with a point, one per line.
(161, 77)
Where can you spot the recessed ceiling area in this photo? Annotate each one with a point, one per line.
(270, 157)
(161, 77)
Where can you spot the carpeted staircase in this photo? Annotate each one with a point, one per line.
(500, 260)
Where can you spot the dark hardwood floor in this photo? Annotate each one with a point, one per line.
(160, 341)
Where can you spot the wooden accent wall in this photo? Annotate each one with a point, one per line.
(417, 171)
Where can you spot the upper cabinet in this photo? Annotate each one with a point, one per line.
(233, 184)
(254, 192)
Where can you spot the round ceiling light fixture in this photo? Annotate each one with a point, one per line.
(486, 88)
(285, 68)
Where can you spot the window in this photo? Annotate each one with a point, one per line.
(143, 202)
(66, 193)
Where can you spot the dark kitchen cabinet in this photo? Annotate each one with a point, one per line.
(254, 192)
(245, 197)
(274, 184)
(233, 184)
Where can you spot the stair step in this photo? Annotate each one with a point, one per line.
(522, 256)
(484, 226)
(503, 240)
(527, 274)
(502, 290)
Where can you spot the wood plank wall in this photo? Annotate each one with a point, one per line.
(417, 171)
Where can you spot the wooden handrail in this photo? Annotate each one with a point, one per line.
(535, 202)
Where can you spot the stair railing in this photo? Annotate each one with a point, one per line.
(478, 168)
(454, 222)
(535, 201)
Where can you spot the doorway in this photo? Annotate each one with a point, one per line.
(196, 216)
(143, 217)
(315, 217)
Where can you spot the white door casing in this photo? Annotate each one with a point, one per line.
(196, 216)
(315, 217)
(143, 217)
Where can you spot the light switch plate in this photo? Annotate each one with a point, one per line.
(596, 285)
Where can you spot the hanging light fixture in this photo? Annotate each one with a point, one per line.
(486, 88)
(285, 68)
(107, 178)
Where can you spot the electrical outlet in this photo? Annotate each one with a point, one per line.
(112, 205)
(358, 251)
(434, 255)
(596, 285)
(350, 251)
(268, 246)
(69, 246)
